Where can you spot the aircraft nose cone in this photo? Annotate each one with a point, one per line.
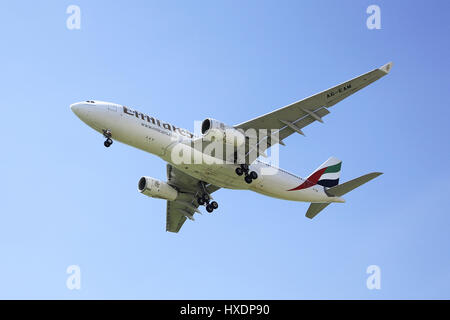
(80, 110)
(75, 107)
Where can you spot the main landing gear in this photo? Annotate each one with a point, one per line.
(108, 142)
(249, 175)
(205, 199)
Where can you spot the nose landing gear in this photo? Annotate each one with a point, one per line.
(249, 175)
(108, 142)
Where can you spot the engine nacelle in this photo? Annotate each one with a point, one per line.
(213, 129)
(155, 188)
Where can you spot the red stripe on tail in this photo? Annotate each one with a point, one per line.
(311, 180)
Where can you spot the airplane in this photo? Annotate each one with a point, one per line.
(190, 183)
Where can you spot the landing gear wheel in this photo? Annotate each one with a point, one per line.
(200, 201)
(108, 142)
(248, 179)
(205, 198)
(214, 204)
(239, 171)
(253, 175)
(209, 208)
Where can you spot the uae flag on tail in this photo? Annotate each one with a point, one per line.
(330, 176)
(326, 175)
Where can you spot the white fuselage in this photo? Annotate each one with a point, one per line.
(160, 138)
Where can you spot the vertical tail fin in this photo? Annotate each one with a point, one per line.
(327, 175)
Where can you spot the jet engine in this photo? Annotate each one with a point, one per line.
(213, 130)
(155, 188)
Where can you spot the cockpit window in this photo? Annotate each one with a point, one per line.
(90, 101)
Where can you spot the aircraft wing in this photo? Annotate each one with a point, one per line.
(186, 204)
(294, 117)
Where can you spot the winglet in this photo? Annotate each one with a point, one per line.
(387, 67)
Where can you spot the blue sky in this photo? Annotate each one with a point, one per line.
(67, 200)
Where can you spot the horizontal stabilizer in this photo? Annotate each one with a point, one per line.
(340, 190)
(315, 208)
(348, 186)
